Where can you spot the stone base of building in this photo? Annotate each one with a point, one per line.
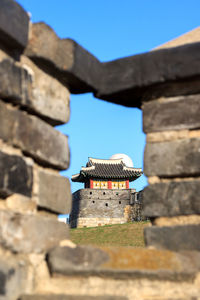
(94, 222)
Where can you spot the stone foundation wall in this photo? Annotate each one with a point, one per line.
(37, 259)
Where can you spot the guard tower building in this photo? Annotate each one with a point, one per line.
(106, 197)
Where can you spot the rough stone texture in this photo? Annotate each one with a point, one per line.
(34, 137)
(66, 259)
(14, 23)
(15, 82)
(171, 198)
(130, 80)
(13, 277)
(171, 114)
(122, 262)
(175, 238)
(49, 98)
(15, 175)
(98, 221)
(70, 297)
(172, 159)
(177, 220)
(29, 233)
(20, 204)
(54, 192)
(64, 59)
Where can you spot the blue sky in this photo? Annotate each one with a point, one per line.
(111, 29)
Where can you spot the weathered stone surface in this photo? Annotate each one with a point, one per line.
(130, 80)
(64, 259)
(15, 175)
(64, 59)
(177, 220)
(14, 23)
(49, 98)
(54, 192)
(70, 297)
(171, 114)
(171, 198)
(15, 82)
(123, 262)
(34, 137)
(20, 204)
(13, 277)
(29, 233)
(171, 159)
(175, 238)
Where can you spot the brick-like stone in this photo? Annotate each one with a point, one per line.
(171, 159)
(64, 259)
(14, 25)
(15, 82)
(21, 204)
(123, 263)
(35, 137)
(64, 59)
(175, 238)
(171, 198)
(49, 98)
(172, 114)
(54, 192)
(70, 297)
(15, 175)
(132, 80)
(13, 277)
(30, 233)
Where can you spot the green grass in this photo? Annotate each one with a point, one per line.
(129, 234)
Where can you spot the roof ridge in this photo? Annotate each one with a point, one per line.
(106, 161)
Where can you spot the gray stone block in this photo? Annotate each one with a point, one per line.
(30, 233)
(172, 114)
(13, 277)
(54, 192)
(175, 238)
(171, 199)
(35, 137)
(34, 90)
(64, 260)
(174, 158)
(16, 85)
(64, 59)
(14, 23)
(15, 175)
(132, 80)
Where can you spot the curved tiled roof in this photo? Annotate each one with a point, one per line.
(107, 169)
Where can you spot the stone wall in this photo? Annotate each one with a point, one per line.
(93, 207)
(37, 259)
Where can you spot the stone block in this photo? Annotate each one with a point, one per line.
(70, 297)
(62, 259)
(172, 159)
(14, 25)
(33, 136)
(123, 263)
(175, 238)
(54, 192)
(64, 59)
(171, 114)
(13, 277)
(30, 233)
(16, 85)
(15, 176)
(132, 80)
(49, 98)
(21, 204)
(171, 198)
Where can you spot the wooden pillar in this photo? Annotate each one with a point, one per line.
(127, 184)
(91, 183)
(109, 184)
